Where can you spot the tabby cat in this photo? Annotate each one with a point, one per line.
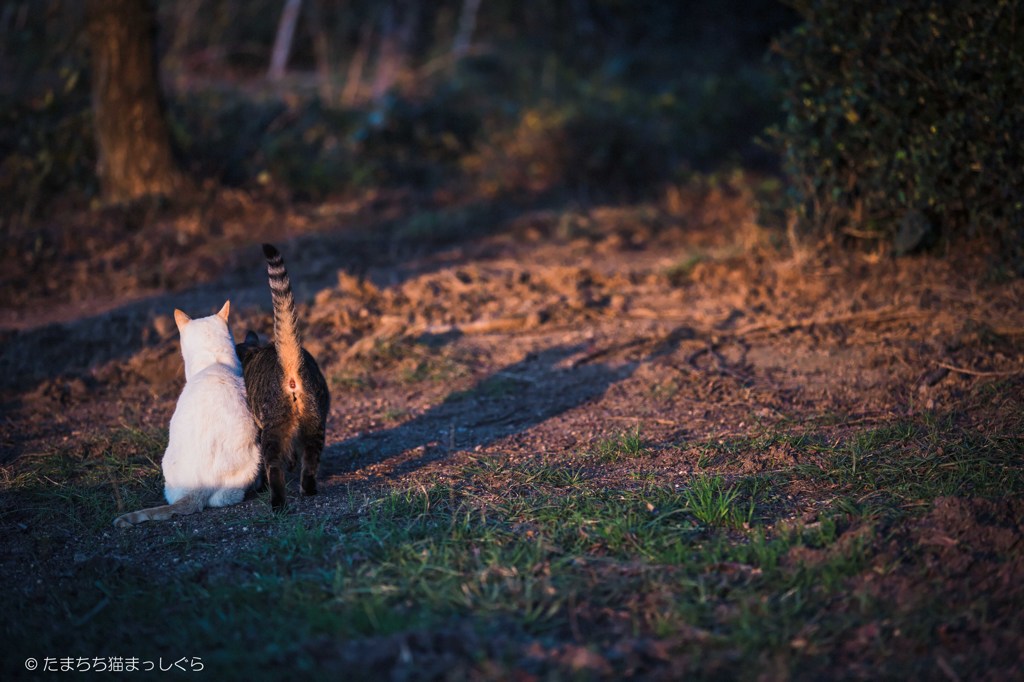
(212, 456)
(287, 392)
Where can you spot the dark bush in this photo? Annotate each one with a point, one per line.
(418, 141)
(588, 146)
(46, 149)
(914, 106)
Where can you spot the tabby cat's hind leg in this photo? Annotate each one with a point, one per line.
(273, 460)
(312, 447)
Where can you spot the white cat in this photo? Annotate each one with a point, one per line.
(212, 454)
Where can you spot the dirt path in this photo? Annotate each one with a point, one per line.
(590, 330)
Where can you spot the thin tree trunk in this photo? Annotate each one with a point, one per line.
(354, 77)
(283, 41)
(132, 137)
(467, 22)
(187, 15)
(394, 45)
(386, 54)
(322, 52)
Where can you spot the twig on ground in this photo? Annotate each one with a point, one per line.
(935, 376)
(489, 326)
(92, 612)
(979, 373)
(663, 422)
(117, 494)
(865, 316)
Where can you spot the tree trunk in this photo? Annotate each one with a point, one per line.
(322, 53)
(467, 22)
(395, 39)
(283, 41)
(132, 137)
(354, 77)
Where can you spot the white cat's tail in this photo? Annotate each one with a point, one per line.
(192, 502)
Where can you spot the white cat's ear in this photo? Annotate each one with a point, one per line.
(223, 314)
(181, 319)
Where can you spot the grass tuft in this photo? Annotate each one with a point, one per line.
(714, 504)
(624, 445)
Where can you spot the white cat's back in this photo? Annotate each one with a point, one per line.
(212, 440)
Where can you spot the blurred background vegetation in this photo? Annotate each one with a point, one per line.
(890, 123)
(905, 120)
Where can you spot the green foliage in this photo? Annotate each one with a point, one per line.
(910, 106)
(316, 150)
(583, 145)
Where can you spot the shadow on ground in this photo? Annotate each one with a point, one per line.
(509, 401)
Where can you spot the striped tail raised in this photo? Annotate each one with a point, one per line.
(286, 324)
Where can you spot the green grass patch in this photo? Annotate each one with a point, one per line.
(347, 381)
(715, 504)
(432, 369)
(623, 445)
(524, 551)
(82, 486)
(906, 464)
(417, 558)
(564, 476)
